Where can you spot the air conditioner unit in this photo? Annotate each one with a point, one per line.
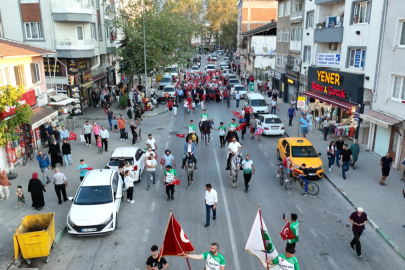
(333, 46)
(37, 91)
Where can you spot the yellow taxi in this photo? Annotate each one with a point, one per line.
(301, 151)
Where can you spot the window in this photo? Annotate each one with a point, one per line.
(401, 34)
(33, 30)
(35, 73)
(281, 10)
(280, 35)
(284, 60)
(29, 1)
(6, 76)
(93, 31)
(357, 57)
(19, 75)
(106, 32)
(287, 8)
(293, 34)
(278, 60)
(100, 33)
(310, 20)
(361, 12)
(398, 91)
(307, 54)
(298, 34)
(298, 6)
(79, 32)
(286, 35)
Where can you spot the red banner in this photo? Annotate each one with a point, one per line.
(286, 232)
(72, 136)
(27, 98)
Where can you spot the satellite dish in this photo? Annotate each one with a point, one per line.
(341, 11)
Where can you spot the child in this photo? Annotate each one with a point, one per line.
(82, 172)
(99, 145)
(115, 125)
(129, 184)
(20, 196)
(175, 106)
(222, 133)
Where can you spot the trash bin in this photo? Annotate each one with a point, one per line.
(35, 236)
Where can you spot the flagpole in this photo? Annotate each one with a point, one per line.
(171, 216)
(261, 226)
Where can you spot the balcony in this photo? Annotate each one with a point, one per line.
(295, 45)
(334, 34)
(296, 17)
(76, 11)
(75, 48)
(327, 2)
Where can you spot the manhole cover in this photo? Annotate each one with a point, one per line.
(173, 133)
(160, 129)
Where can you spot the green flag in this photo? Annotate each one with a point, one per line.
(267, 241)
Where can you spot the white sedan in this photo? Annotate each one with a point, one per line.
(133, 155)
(96, 204)
(194, 69)
(271, 124)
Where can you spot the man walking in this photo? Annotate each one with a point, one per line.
(213, 259)
(104, 138)
(151, 142)
(294, 227)
(121, 127)
(153, 263)
(339, 147)
(248, 171)
(169, 176)
(86, 131)
(346, 158)
(60, 182)
(286, 260)
(355, 148)
(64, 133)
(325, 126)
(168, 159)
(237, 97)
(44, 165)
(290, 114)
(358, 219)
(304, 125)
(385, 164)
(110, 115)
(211, 201)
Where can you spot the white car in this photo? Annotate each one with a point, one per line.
(194, 69)
(133, 155)
(271, 124)
(170, 90)
(232, 76)
(241, 89)
(210, 67)
(96, 204)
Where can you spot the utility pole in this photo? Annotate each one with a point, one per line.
(296, 95)
(144, 49)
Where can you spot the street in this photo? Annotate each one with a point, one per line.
(325, 231)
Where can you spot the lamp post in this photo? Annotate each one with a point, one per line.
(144, 48)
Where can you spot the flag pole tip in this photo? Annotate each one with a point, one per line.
(259, 205)
(171, 210)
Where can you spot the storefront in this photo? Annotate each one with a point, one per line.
(278, 83)
(111, 75)
(292, 86)
(337, 95)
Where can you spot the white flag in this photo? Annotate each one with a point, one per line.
(257, 241)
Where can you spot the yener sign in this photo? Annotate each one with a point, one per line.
(328, 77)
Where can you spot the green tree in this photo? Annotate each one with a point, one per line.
(228, 32)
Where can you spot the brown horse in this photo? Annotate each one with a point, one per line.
(205, 130)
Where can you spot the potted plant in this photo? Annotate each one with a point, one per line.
(320, 25)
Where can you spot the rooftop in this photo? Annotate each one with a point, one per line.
(260, 29)
(10, 48)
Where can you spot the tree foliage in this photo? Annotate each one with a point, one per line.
(9, 96)
(228, 32)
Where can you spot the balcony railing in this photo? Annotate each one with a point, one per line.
(72, 4)
(319, 2)
(296, 17)
(334, 34)
(69, 44)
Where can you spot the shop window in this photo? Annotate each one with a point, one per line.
(278, 60)
(361, 12)
(357, 58)
(19, 75)
(280, 35)
(286, 35)
(287, 8)
(35, 73)
(33, 30)
(93, 31)
(310, 20)
(284, 60)
(307, 54)
(398, 88)
(281, 10)
(400, 35)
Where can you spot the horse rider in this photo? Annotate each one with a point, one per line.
(234, 148)
(189, 150)
(191, 130)
(232, 130)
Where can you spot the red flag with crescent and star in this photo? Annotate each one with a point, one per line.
(237, 114)
(72, 136)
(175, 242)
(286, 232)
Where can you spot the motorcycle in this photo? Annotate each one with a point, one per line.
(147, 105)
(154, 102)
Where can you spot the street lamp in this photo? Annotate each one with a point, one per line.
(144, 47)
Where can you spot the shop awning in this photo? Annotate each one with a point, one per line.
(41, 115)
(87, 84)
(380, 118)
(336, 102)
(62, 102)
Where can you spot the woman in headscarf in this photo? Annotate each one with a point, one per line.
(37, 192)
(56, 155)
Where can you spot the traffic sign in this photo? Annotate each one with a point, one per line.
(301, 103)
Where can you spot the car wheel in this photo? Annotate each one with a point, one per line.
(140, 176)
(278, 155)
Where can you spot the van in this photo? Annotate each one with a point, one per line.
(172, 70)
(257, 102)
(164, 81)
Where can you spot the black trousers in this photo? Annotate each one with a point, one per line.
(105, 143)
(290, 120)
(247, 178)
(169, 188)
(122, 133)
(222, 140)
(356, 241)
(325, 132)
(134, 136)
(61, 189)
(87, 137)
(130, 193)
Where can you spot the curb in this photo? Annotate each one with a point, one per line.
(372, 223)
(155, 114)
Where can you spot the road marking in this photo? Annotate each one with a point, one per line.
(266, 154)
(157, 184)
(332, 262)
(145, 235)
(289, 192)
(167, 144)
(272, 164)
(313, 232)
(152, 208)
(299, 208)
(228, 215)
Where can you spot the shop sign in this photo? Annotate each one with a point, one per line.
(72, 67)
(277, 75)
(42, 100)
(328, 60)
(329, 90)
(109, 69)
(87, 76)
(82, 64)
(291, 79)
(54, 68)
(27, 98)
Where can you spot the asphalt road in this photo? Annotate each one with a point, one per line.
(325, 231)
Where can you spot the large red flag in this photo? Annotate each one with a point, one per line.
(286, 232)
(237, 114)
(240, 127)
(72, 136)
(175, 242)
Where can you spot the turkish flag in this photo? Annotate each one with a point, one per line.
(72, 136)
(249, 110)
(237, 114)
(87, 168)
(286, 232)
(174, 183)
(240, 127)
(181, 135)
(175, 242)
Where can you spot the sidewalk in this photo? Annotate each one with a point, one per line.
(381, 203)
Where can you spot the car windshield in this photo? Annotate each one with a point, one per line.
(234, 81)
(168, 89)
(94, 195)
(232, 76)
(303, 151)
(240, 88)
(194, 68)
(165, 79)
(171, 70)
(116, 161)
(258, 102)
(210, 67)
(272, 121)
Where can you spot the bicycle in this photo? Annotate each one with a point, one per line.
(313, 188)
(29, 153)
(281, 174)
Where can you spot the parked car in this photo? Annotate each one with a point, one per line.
(210, 67)
(169, 90)
(96, 203)
(133, 155)
(234, 82)
(194, 69)
(241, 89)
(271, 124)
(165, 80)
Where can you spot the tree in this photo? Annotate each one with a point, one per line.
(9, 96)
(228, 32)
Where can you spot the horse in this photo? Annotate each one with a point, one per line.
(236, 161)
(205, 129)
(189, 169)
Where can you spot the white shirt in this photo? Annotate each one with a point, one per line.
(104, 134)
(151, 142)
(147, 154)
(151, 162)
(234, 146)
(185, 104)
(273, 103)
(237, 95)
(189, 148)
(129, 181)
(211, 197)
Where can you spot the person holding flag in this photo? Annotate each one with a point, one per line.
(168, 178)
(294, 227)
(286, 260)
(204, 118)
(191, 130)
(213, 259)
(232, 130)
(153, 262)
